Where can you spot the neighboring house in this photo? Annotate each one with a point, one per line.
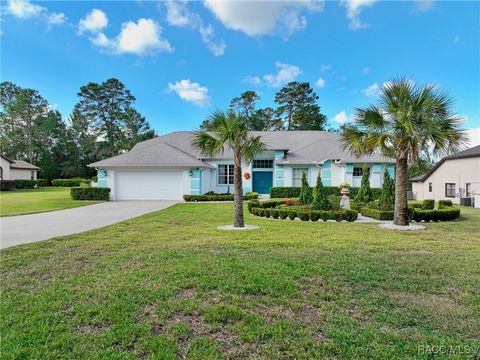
(168, 166)
(454, 177)
(17, 169)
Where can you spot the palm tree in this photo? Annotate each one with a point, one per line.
(227, 130)
(409, 120)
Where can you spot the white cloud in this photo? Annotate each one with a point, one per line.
(473, 137)
(285, 73)
(341, 117)
(321, 83)
(456, 39)
(354, 8)
(252, 80)
(325, 67)
(95, 21)
(423, 5)
(140, 38)
(179, 15)
(256, 18)
(365, 70)
(372, 90)
(191, 92)
(24, 9)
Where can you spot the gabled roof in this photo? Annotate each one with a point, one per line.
(301, 147)
(468, 153)
(23, 165)
(6, 158)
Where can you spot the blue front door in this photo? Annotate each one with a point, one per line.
(262, 181)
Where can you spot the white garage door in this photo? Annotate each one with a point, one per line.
(149, 185)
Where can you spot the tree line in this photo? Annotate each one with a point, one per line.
(103, 123)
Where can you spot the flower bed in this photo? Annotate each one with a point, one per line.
(277, 209)
(218, 197)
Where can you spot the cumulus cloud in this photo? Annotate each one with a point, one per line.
(266, 17)
(354, 9)
(252, 80)
(285, 73)
(321, 83)
(179, 15)
(372, 90)
(341, 117)
(139, 38)
(472, 137)
(191, 92)
(95, 21)
(24, 9)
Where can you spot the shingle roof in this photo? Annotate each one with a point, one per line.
(20, 164)
(176, 149)
(468, 153)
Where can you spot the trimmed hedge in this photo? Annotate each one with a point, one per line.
(41, 182)
(269, 209)
(218, 197)
(7, 185)
(428, 204)
(95, 193)
(377, 214)
(444, 204)
(294, 191)
(446, 214)
(25, 184)
(70, 182)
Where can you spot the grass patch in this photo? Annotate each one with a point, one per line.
(29, 201)
(170, 285)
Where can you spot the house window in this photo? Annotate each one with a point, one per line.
(449, 190)
(429, 187)
(358, 171)
(468, 190)
(32, 175)
(262, 164)
(225, 174)
(297, 176)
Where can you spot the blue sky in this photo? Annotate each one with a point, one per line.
(182, 60)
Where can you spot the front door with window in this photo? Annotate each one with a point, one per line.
(262, 181)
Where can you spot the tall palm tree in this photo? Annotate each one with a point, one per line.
(409, 120)
(227, 130)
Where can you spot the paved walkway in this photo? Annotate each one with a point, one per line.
(23, 229)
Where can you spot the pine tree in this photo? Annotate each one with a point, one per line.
(364, 194)
(387, 198)
(306, 196)
(320, 199)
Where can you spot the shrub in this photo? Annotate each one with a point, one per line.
(96, 193)
(7, 185)
(305, 197)
(377, 214)
(335, 202)
(218, 197)
(446, 214)
(283, 214)
(387, 197)
(251, 204)
(294, 192)
(290, 202)
(285, 192)
(428, 204)
(314, 216)
(343, 185)
(274, 213)
(415, 204)
(25, 184)
(292, 214)
(320, 199)
(67, 182)
(444, 204)
(41, 182)
(303, 215)
(357, 206)
(365, 193)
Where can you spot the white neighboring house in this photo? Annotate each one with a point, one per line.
(452, 178)
(168, 167)
(17, 169)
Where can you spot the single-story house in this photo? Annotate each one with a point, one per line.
(169, 166)
(17, 169)
(452, 178)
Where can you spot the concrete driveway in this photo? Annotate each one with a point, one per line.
(23, 229)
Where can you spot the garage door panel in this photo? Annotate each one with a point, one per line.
(149, 185)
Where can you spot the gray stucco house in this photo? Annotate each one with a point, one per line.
(168, 166)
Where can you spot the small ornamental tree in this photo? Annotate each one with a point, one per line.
(364, 194)
(387, 198)
(306, 196)
(320, 198)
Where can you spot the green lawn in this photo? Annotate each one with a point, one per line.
(170, 285)
(30, 201)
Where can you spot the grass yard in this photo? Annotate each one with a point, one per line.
(169, 285)
(28, 201)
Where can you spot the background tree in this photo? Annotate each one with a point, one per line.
(320, 197)
(306, 196)
(364, 194)
(227, 130)
(135, 128)
(408, 121)
(245, 103)
(420, 166)
(298, 108)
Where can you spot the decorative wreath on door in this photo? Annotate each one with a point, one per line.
(246, 176)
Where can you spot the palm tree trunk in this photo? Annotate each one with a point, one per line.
(401, 208)
(238, 191)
